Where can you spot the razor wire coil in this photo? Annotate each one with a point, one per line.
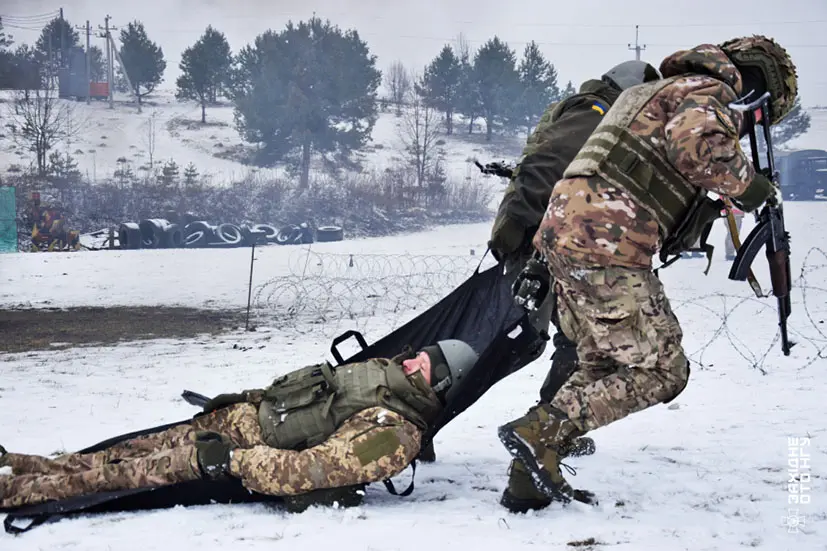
(327, 293)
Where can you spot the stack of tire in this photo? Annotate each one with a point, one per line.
(159, 233)
(201, 234)
(303, 234)
(152, 233)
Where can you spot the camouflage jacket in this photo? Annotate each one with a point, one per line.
(561, 131)
(689, 123)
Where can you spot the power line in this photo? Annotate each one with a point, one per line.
(559, 25)
(24, 18)
(179, 30)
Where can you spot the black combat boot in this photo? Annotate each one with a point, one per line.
(427, 454)
(540, 440)
(521, 496)
(346, 496)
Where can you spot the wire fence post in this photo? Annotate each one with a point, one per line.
(250, 285)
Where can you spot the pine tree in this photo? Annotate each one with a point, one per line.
(5, 39)
(569, 91)
(441, 83)
(205, 69)
(124, 173)
(23, 71)
(190, 176)
(311, 87)
(538, 83)
(468, 96)
(169, 173)
(56, 40)
(62, 172)
(6, 59)
(495, 74)
(795, 124)
(143, 59)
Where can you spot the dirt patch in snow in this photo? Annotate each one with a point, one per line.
(51, 329)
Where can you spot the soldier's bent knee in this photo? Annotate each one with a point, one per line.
(678, 378)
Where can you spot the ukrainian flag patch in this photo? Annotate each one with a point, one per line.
(600, 108)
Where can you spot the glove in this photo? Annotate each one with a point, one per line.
(758, 191)
(506, 238)
(213, 453)
(532, 285)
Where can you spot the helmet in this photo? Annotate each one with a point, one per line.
(775, 65)
(451, 360)
(630, 73)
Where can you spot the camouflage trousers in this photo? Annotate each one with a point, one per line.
(628, 342)
(158, 459)
(375, 444)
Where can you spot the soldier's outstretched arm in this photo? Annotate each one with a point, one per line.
(702, 142)
(373, 445)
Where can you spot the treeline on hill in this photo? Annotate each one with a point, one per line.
(310, 90)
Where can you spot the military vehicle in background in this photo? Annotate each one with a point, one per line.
(803, 174)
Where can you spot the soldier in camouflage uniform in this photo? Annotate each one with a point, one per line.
(316, 435)
(561, 132)
(638, 186)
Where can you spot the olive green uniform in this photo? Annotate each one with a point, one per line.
(562, 130)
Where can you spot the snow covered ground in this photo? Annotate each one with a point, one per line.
(104, 136)
(708, 472)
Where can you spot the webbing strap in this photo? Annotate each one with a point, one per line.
(409, 490)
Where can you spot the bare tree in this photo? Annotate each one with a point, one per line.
(463, 47)
(419, 132)
(398, 82)
(39, 120)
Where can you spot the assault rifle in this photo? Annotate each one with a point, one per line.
(769, 231)
(497, 169)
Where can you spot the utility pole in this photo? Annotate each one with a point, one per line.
(50, 64)
(125, 72)
(88, 30)
(110, 71)
(88, 63)
(637, 47)
(62, 40)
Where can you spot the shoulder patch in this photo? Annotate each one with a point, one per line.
(599, 107)
(376, 445)
(726, 122)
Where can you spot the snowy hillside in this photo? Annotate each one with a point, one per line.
(707, 472)
(104, 136)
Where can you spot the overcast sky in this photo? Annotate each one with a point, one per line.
(582, 38)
